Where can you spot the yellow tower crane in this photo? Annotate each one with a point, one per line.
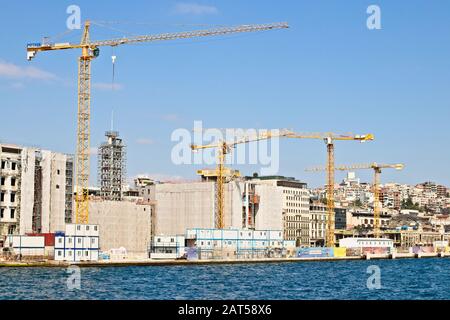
(329, 139)
(224, 148)
(376, 186)
(89, 51)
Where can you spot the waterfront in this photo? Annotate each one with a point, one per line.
(400, 279)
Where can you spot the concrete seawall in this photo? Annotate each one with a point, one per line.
(149, 263)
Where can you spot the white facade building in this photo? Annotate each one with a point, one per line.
(35, 190)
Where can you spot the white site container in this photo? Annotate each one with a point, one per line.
(229, 244)
(69, 255)
(92, 230)
(59, 242)
(163, 256)
(366, 243)
(59, 254)
(230, 234)
(96, 231)
(191, 234)
(70, 229)
(217, 244)
(204, 234)
(217, 234)
(86, 255)
(79, 242)
(75, 229)
(260, 235)
(245, 244)
(94, 243)
(88, 229)
(205, 243)
(289, 244)
(69, 242)
(275, 235)
(260, 244)
(246, 234)
(275, 244)
(17, 241)
(78, 255)
(94, 255)
(80, 230)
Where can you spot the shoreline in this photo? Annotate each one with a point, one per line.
(156, 263)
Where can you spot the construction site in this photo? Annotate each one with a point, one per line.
(49, 212)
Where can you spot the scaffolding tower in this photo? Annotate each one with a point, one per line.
(111, 167)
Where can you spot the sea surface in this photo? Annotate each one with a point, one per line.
(344, 280)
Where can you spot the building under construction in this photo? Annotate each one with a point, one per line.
(111, 167)
(36, 189)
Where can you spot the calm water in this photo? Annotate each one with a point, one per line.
(400, 279)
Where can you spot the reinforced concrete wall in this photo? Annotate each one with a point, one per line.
(27, 195)
(46, 195)
(53, 191)
(192, 205)
(58, 192)
(122, 224)
(234, 204)
(182, 206)
(270, 213)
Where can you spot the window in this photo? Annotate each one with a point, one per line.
(58, 172)
(60, 240)
(13, 197)
(78, 228)
(86, 253)
(159, 240)
(173, 240)
(3, 164)
(92, 240)
(2, 211)
(79, 253)
(13, 166)
(79, 240)
(13, 213)
(13, 182)
(2, 196)
(87, 228)
(2, 181)
(69, 240)
(70, 253)
(59, 253)
(57, 186)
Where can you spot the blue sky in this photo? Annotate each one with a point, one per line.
(328, 72)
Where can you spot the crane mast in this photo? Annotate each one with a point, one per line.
(376, 186)
(89, 51)
(224, 148)
(329, 139)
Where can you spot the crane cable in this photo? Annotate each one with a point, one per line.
(113, 58)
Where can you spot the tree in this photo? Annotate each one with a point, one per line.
(357, 203)
(409, 205)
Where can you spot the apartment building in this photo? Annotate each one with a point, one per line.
(35, 190)
(295, 206)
